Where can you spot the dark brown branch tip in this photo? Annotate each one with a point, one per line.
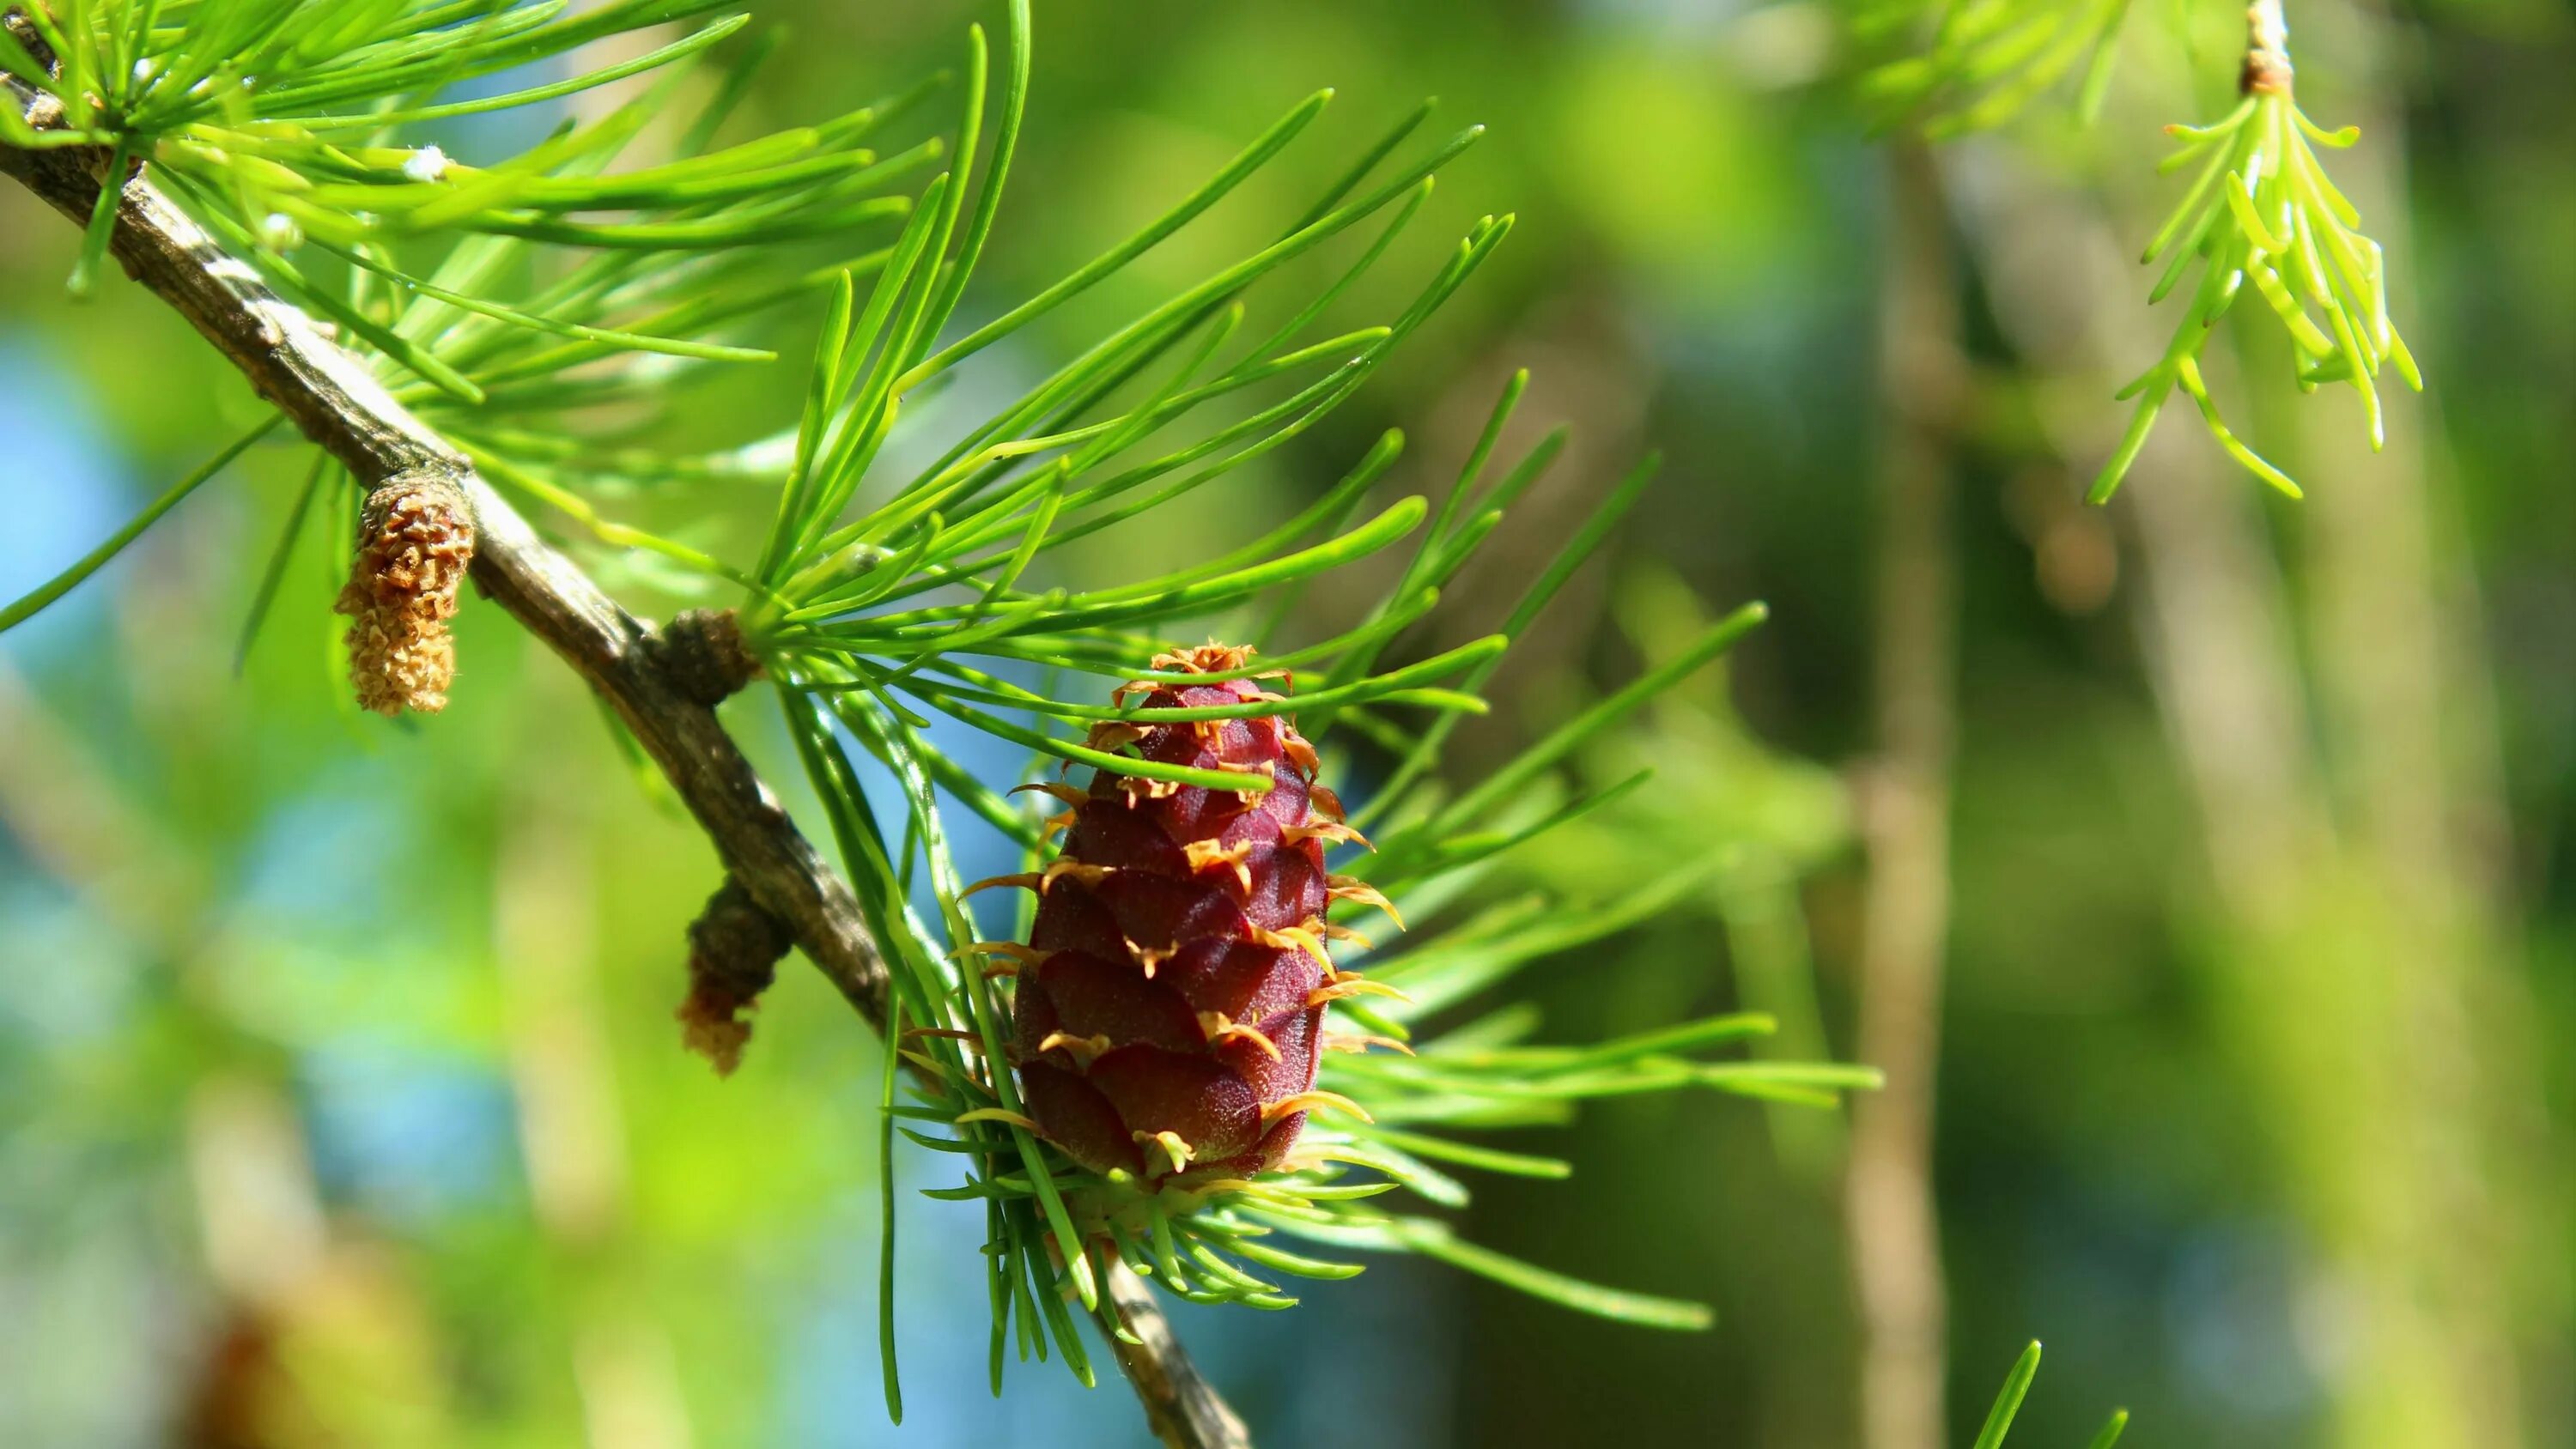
(703, 652)
(2265, 74)
(734, 950)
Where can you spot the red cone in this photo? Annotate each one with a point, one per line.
(1174, 1018)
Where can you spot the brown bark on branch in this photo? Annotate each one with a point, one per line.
(329, 394)
(1182, 1409)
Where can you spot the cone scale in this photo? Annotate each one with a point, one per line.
(1169, 1015)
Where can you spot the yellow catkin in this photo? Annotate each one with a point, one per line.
(415, 541)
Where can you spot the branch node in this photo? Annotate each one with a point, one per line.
(2267, 51)
(703, 652)
(734, 949)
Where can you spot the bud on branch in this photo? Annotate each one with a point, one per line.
(2267, 51)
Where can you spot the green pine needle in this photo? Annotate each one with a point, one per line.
(2262, 209)
(36, 599)
(2008, 1399)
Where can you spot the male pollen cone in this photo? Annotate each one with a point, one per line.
(1170, 1010)
(415, 542)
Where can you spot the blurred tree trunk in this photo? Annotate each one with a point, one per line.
(2406, 707)
(1890, 1210)
(2367, 977)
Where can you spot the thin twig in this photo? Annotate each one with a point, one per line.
(1889, 1206)
(331, 396)
(2267, 50)
(1182, 1409)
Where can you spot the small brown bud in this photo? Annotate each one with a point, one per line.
(705, 654)
(415, 541)
(734, 948)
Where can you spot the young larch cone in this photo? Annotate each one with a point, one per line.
(415, 541)
(1169, 1016)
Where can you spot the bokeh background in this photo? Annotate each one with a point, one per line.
(336, 1059)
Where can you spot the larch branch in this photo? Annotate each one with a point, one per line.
(331, 396)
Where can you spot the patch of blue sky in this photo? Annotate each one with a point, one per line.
(68, 488)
